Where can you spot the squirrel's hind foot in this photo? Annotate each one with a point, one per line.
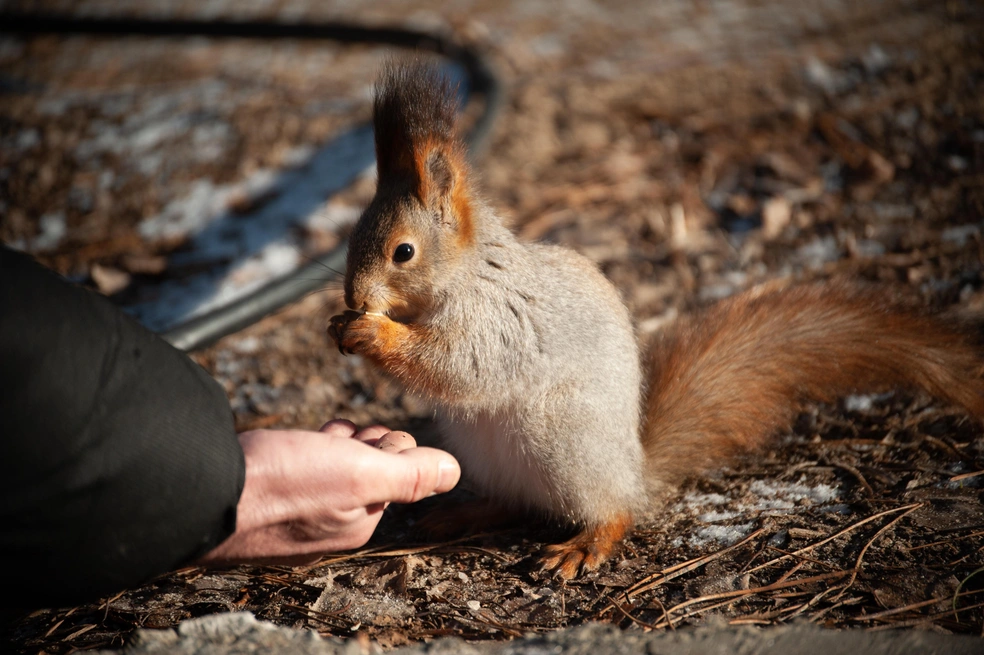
(586, 550)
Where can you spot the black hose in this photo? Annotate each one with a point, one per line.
(211, 326)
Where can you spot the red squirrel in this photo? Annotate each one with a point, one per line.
(530, 358)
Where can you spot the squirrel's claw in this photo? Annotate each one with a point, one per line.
(586, 550)
(338, 325)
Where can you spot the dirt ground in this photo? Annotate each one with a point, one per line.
(692, 149)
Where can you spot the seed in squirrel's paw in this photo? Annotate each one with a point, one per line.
(375, 314)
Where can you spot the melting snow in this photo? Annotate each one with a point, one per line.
(864, 402)
(766, 497)
(262, 244)
(725, 535)
(785, 494)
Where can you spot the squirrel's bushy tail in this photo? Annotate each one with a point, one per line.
(723, 381)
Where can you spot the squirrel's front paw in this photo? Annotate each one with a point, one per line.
(354, 331)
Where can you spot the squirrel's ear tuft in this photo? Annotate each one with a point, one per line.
(415, 107)
(414, 114)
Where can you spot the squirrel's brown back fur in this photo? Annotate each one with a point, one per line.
(726, 379)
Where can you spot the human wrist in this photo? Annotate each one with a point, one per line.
(262, 505)
(261, 502)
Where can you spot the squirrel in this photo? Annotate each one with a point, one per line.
(531, 360)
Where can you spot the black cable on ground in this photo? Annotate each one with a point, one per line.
(207, 328)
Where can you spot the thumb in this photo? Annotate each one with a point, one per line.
(415, 474)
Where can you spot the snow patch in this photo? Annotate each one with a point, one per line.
(697, 500)
(725, 535)
(864, 402)
(717, 515)
(793, 492)
(262, 244)
(766, 497)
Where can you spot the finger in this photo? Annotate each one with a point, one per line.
(395, 442)
(339, 427)
(371, 434)
(412, 475)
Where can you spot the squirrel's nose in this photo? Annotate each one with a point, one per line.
(351, 301)
(356, 299)
(365, 294)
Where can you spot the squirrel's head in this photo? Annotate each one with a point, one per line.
(420, 223)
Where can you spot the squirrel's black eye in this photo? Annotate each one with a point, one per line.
(403, 253)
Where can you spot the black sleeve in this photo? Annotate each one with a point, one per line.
(118, 457)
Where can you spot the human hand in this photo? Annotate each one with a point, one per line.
(308, 493)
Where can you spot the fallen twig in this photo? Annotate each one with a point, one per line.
(964, 476)
(857, 563)
(758, 590)
(846, 530)
(945, 541)
(920, 620)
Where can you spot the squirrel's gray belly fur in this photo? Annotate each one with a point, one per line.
(579, 391)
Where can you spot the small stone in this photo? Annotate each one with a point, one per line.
(876, 60)
(776, 214)
(956, 163)
(827, 79)
(474, 605)
(109, 280)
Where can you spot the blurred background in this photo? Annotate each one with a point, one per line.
(692, 148)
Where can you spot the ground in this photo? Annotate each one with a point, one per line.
(691, 148)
